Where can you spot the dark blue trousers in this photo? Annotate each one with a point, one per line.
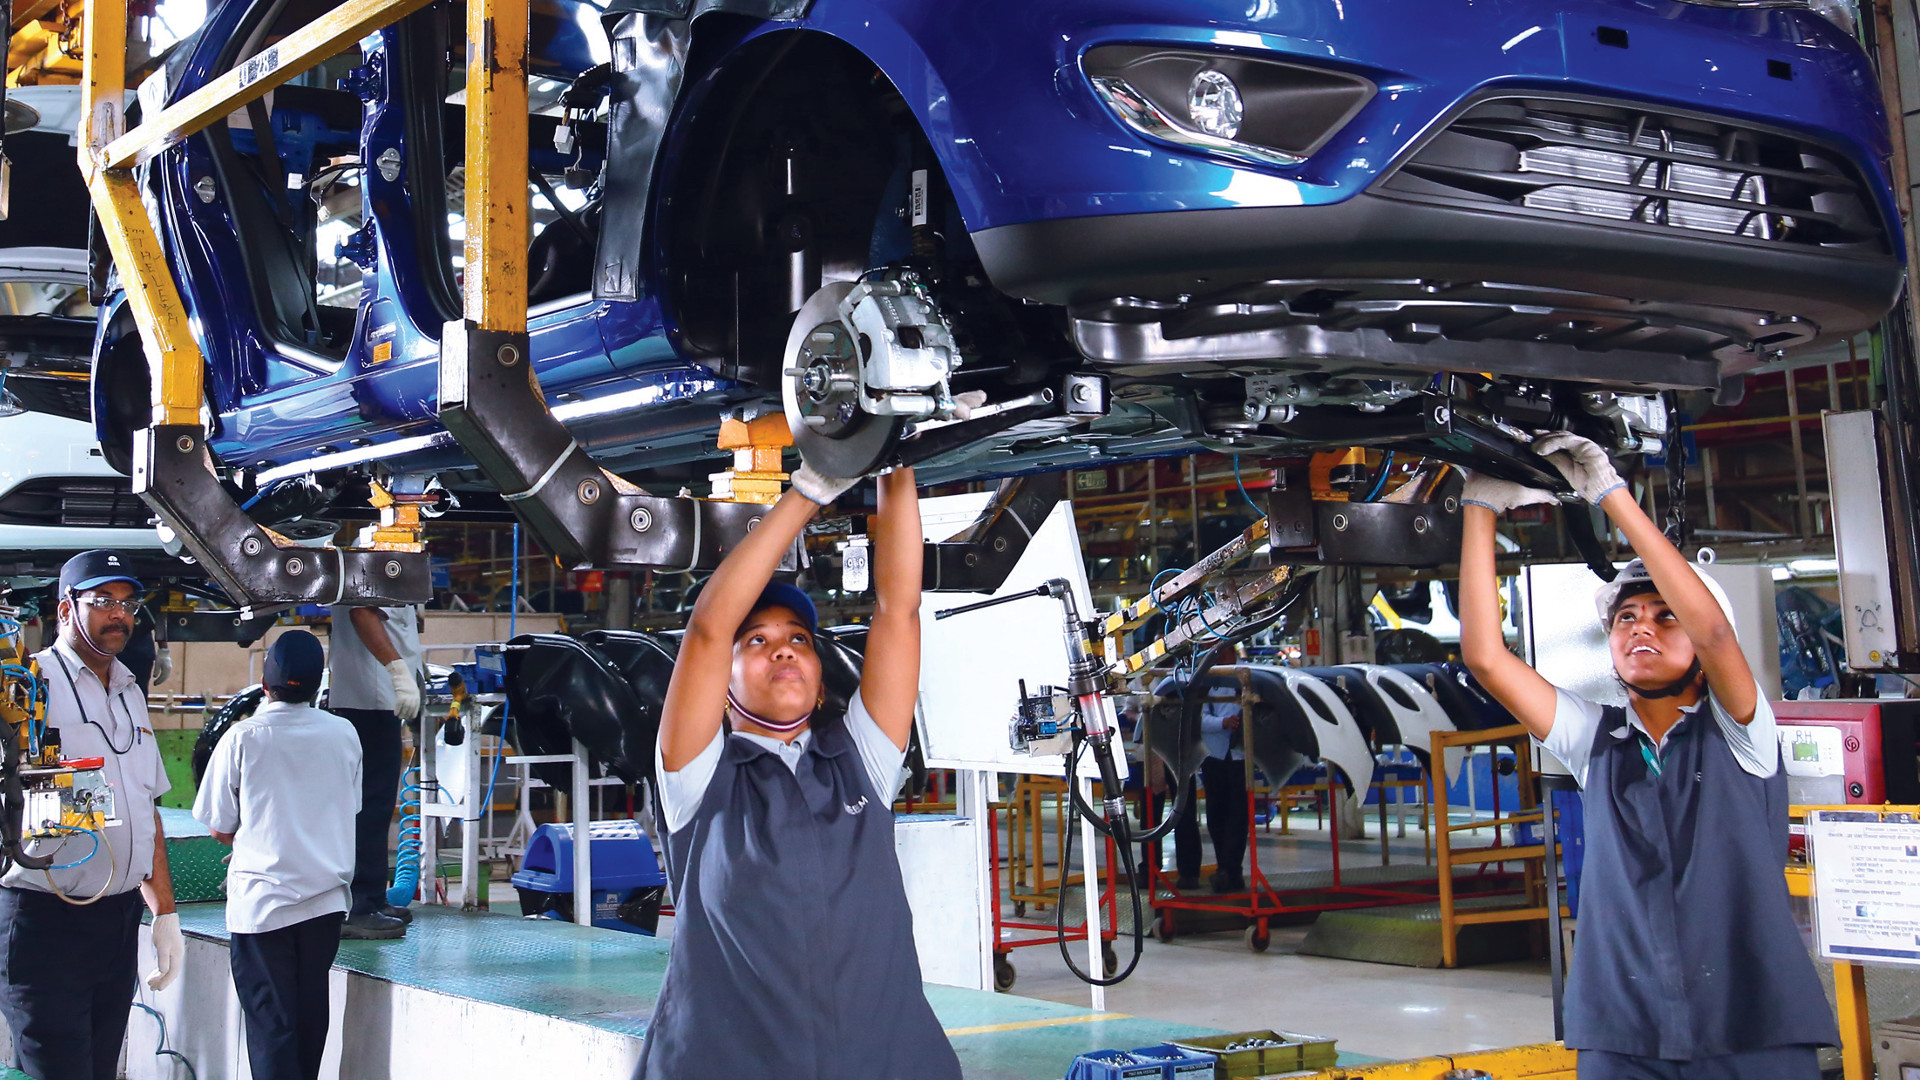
(379, 784)
(1226, 784)
(67, 981)
(281, 978)
(1779, 1063)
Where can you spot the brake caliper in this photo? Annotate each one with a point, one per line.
(906, 344)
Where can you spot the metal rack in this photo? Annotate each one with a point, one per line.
(1534, 906)
(1263, 900)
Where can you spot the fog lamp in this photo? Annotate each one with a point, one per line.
(1213, 104)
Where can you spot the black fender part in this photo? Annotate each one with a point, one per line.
(560, 689)
(1278, 735)
(238, 708)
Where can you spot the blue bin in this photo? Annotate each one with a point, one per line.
(488, 672)
(1162, 1062)
(1572, 834)
(627, 887)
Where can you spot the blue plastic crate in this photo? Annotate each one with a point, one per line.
(489, 671)
(1163, 1062)
(627, 887)
(1177, 1063)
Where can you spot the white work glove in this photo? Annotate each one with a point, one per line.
(406, 692)
(965, 403)
(1582, 462)
(169, 951)
(821, 489)
(1501, 496)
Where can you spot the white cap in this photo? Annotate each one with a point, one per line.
(1635, 573)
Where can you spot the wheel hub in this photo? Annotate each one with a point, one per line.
(865, 359)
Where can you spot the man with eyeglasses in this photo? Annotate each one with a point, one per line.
(72, 931)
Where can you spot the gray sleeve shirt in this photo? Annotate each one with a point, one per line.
(1576, 721)
(680, 792)
(355, 680)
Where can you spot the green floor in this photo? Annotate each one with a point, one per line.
(608, 980)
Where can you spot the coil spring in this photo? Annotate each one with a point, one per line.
(406, 862)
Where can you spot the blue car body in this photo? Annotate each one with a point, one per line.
(1384, 248)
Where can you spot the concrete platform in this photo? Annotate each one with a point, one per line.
(1409, 935)
(491, 995)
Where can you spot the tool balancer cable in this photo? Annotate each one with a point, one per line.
(1124, 838)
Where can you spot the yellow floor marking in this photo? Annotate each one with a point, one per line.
(1023, 1025)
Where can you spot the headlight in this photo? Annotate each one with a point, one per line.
(1844, 14)
(1229, 105)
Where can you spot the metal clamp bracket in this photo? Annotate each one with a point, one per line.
(173, 472)
(582, 514)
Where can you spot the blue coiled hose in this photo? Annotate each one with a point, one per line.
(406, 863)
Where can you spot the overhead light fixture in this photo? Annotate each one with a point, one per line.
(1814, 566)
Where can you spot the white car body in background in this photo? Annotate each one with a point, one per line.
(57, 494)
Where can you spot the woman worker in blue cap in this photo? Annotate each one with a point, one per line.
(1688, 964)
(793, 952)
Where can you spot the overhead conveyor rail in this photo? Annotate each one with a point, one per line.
(489, 398)
(173, 467)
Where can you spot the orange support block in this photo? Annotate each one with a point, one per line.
(756, 476)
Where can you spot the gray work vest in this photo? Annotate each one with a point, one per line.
(1687, 946)
(793, 950)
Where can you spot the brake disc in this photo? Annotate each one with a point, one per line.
(820, 389)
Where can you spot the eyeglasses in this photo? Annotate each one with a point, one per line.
(108, 605)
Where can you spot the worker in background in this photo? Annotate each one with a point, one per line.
(374, 661)
(793, 950)
(145, 655)
(1223, 775)
(72, 931)
(273, 791)
(1689, 965)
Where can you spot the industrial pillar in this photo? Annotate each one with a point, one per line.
(619, 600)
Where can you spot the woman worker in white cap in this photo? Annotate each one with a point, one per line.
(1688, 965)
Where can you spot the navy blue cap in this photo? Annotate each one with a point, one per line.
(781, 594)
(295, 661)
(92, 569)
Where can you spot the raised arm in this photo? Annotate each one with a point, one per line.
(1482, 644)
(1714, 643)
(1586, 467)
(890, 675)
(697, 693)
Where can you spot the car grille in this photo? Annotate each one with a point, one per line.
(1578, 159)
(75, 502)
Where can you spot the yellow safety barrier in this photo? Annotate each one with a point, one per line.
(1546, 1061)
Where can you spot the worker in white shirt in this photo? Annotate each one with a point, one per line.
(273, 791)
(72, 930)
(374, 658)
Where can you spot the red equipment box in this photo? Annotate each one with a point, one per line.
(1850, 751)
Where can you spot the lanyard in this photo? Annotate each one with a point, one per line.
(1648, 753)
(74, 687)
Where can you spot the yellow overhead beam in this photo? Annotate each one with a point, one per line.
(31, 11)
(249, 80)
(496, 263)
(172, 356)
(45, 37)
